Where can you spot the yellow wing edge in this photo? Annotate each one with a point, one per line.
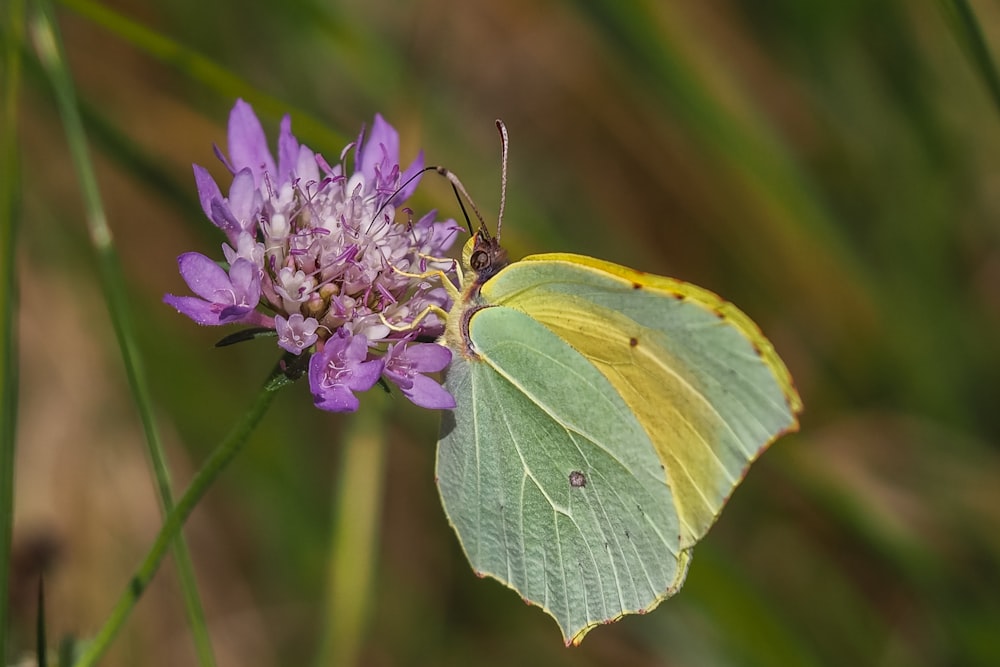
(707, 299)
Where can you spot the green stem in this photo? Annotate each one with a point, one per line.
(13, 39)
(49, 45)
(354, 547)
(172, 525)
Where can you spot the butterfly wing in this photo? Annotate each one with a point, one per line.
(551, 482)
(604, 422)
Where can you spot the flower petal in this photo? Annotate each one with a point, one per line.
(427, 393)
(244, 200)
(208, 190)
(199, 310)
(234, 313)
(288, 152)
(366, 375)
(244, 277)
(203, 276)
(247, 143)
(306, 168)
(428, 357)
(337, 398)
(224, 219)
(383, 141)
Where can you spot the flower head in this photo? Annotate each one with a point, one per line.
(325, 255)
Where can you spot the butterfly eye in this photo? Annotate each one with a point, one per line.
(480, 260)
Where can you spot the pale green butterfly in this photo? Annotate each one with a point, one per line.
(603, 418)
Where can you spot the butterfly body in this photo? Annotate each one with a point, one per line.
(482, 258)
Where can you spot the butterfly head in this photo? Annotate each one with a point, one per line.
(483, 256)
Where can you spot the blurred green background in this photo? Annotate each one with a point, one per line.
(831, 166)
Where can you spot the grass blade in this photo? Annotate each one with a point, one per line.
(41, 642)
(49, 46)
(13, 38)
(970, 36)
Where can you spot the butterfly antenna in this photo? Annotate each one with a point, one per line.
(461, 205)
(398, 190)
(503, 172)
(460, 194)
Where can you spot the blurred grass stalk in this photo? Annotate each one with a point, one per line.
(223, 82)
(354, 544)
(50, 50)
(12, 30)
(969, 36)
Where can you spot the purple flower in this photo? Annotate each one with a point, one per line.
(339, 370)
(320, 253)
(405, 364)
(296, 333)
(224, 298)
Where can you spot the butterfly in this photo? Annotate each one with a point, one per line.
(603, 418)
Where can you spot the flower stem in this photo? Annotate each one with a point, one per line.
(173, 523)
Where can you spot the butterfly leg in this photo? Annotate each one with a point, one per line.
(453, 290)
(412, 324)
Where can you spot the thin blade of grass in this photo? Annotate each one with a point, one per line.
(50, 50)
(13, 38)
(969, 35)
(41, 643)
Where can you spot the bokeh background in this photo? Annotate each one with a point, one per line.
(831, 166)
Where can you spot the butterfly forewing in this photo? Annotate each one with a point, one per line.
(698, 375)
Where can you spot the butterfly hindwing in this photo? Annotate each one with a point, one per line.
(551, 482)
